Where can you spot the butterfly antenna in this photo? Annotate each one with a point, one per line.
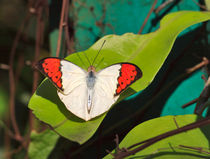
(100, 62)
(98, 52)
(87, 58)
(81, 60)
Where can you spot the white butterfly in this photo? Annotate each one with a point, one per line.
(88, 94)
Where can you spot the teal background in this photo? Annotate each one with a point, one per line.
(187, 90)
(119, 17)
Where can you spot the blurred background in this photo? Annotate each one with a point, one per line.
(29, 31)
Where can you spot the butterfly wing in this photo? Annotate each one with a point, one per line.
(110, 82)
(70, 81)
(65, 75)
(72, 85)
(50, 67)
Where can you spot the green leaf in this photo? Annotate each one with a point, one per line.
(168, 147)
(148, 51)
(42, 144)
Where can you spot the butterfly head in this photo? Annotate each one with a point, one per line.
(91, 69)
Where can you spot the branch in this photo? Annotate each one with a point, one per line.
(199, 149)
(68, 35)
(61, 27)
(203, 101)
(12, 78)
(198, 66)
(190, 103)
(40, 8)
(193, 69)
(188, 127)
(162, 6)
(4, 66)
(200, 5)
(148, 15)
(39, 34)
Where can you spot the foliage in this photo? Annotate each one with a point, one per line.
(25, 136)
(138, 49)
(170, 147)
(42, 144)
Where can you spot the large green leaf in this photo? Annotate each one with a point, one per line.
(169, 147)
(42, 144)
(148, 51)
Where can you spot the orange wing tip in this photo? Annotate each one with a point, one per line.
(128, 74)
(51, 68)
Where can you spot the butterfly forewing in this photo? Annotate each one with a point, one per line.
(72, 76)
(62, 73)
(129, 73)
(51, 68)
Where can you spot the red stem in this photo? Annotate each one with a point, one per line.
(61, 28)
(12, 80)
(148, 15)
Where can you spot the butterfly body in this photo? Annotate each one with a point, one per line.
(88, 94)
(90, 80)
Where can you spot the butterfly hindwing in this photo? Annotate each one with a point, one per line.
(76, 101)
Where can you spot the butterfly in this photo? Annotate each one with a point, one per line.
(88, 94)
